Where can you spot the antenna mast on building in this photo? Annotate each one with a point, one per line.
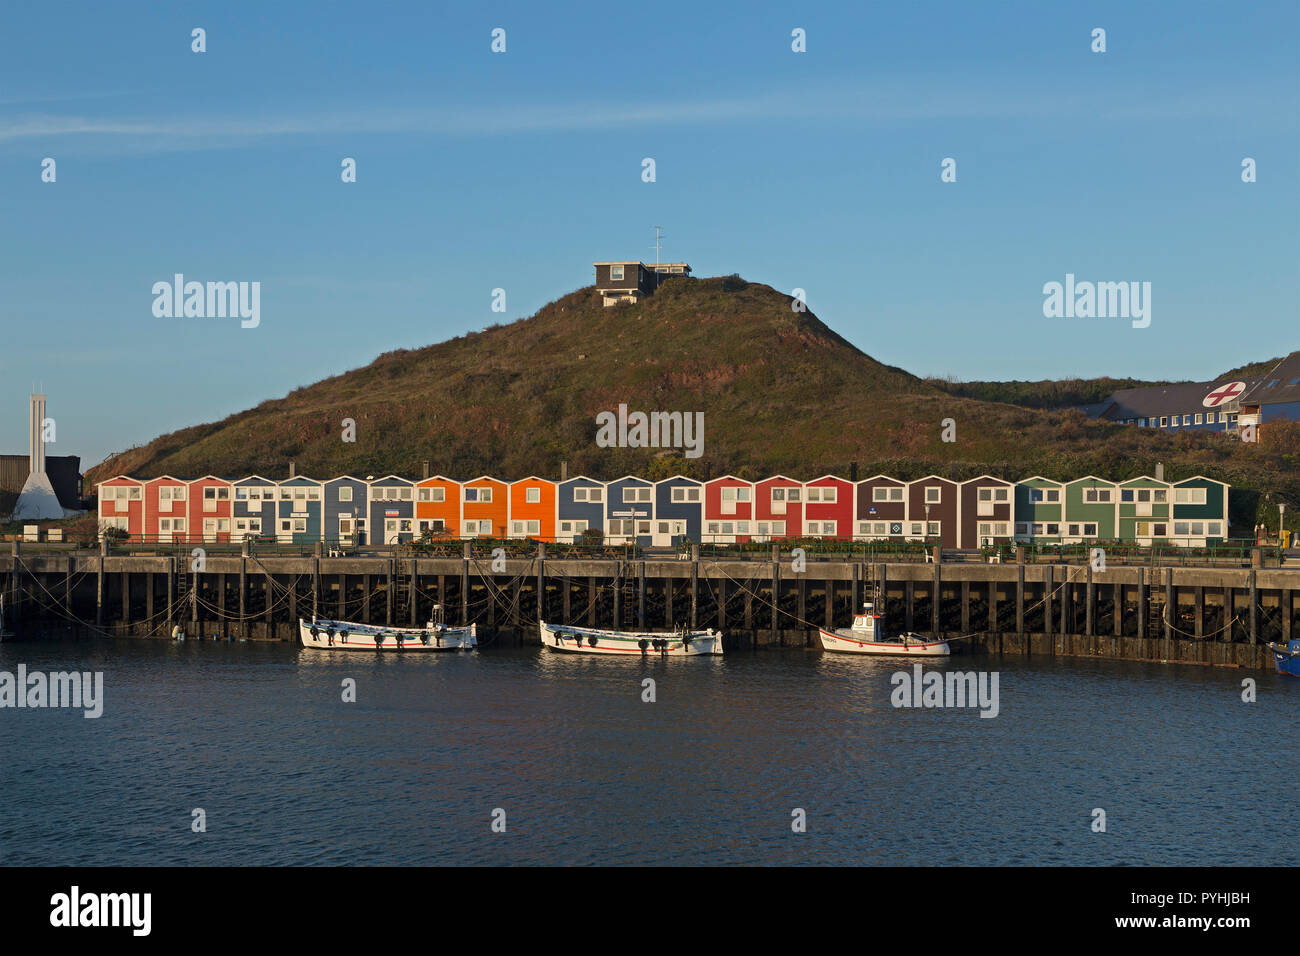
(659, 238)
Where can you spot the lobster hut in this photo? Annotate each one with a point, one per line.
(828, 508)
(165, 509)
(346, 501)
(210, 509)
(1040, 508)
(485, 508)
(987, 512)
(437, 507)
(881, 509)
(532, 509)
(778, 508)
(1200, 511)
(932, 511)
(728, 510)
(121, 506)
(298, 511)
(679, 510)
(392, 509)
(253, 511)
(579, 507)
(629, 510)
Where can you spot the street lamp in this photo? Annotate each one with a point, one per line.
(1281, 521)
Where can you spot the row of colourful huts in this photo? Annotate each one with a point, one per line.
(391, 509)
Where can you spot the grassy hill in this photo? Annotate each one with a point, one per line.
(780, 392)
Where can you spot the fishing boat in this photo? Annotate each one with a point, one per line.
(867, 636)
(351, 636)
(569, 639)
(1287, 657)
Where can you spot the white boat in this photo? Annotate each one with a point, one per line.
(567, 638)
(351, 636)
(867, 636)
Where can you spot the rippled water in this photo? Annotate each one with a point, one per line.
(258, 736)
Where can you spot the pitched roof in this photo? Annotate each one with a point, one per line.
(1281, 384)
(1157, 400)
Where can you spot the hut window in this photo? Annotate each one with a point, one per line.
(616, 272)
(345, 493)
(933, 494)
(532, 495)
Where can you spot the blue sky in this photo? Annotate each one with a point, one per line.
(477, 170)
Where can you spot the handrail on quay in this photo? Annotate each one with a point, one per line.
(1240, 553)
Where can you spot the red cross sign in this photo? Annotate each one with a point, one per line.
(1224, 393)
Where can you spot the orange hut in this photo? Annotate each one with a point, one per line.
(485, 508)
(437, 506)
(532, 508)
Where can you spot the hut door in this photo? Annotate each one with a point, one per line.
(390, 531)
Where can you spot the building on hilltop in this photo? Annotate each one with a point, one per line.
(1221, 405)
(1275, 395)
(633, 280)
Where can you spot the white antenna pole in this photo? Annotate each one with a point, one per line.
(658, 242)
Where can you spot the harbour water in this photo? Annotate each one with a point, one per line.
(258, 736)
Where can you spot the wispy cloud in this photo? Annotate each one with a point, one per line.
(886, 103)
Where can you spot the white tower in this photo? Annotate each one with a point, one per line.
(37, 500)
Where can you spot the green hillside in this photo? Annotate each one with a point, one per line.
(780, 393)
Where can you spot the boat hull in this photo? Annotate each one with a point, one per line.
(350, 636)
(1287, 658)
(842, 641)
(578, 640)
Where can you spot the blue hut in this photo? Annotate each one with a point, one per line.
(679, 511)
(298, 511)
(629, 510)
(580, 506)
(253, 510)
(347, 502)
(392, 510)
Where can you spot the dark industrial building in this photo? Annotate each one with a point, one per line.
(64, 473)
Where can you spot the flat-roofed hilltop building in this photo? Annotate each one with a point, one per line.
(632, 280)
(1275, 396)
